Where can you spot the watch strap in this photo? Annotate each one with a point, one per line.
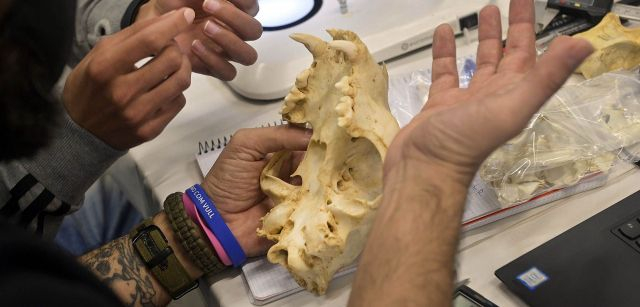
(191, 236)
(152, 246)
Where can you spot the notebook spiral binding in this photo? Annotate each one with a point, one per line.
(214, 144)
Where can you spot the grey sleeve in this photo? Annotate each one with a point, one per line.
(36, 193)
(95, 19)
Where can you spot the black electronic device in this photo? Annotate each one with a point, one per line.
(594, 9)
(467, 297)
(596, 263)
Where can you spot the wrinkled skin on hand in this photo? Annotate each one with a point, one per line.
(322, 225)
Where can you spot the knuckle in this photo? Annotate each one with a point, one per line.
(96, 69)
(174, 58)
(122, 95)
(241, 136)
(145, 134)
(104, 43)
(153, 42)
(131, 119)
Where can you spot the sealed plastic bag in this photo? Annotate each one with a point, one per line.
(579, 132)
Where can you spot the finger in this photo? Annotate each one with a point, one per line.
(548, 75)
(247, 27)
(157, 70)
(490, 44)
(153, 101)
(520, 53)
(152, 128)
(152, 39)
(250, 7)
(136, 27)
(235, 48)
(259, 142)
(444, 69)
(217, 65)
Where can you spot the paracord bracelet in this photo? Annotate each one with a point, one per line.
(216, 224)
(192, 212)
(191, 238)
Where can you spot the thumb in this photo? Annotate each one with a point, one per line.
(261, 141)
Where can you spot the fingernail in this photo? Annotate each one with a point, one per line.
(211, 5)
(308, 132)
(211, 28)
(189, 15)
(198, 46)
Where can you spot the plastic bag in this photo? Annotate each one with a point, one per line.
(408, 93)
(582, 130)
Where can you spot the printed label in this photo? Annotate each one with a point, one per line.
(532, 278)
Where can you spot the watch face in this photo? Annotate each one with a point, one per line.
(460, 300)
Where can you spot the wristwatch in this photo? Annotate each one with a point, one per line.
(152, 246)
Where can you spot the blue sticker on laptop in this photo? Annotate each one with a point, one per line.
(532, 278)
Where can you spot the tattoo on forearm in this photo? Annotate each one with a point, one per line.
(118, 266)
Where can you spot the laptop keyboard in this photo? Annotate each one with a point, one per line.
(629, 232)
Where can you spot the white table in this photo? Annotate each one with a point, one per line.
(168, 164)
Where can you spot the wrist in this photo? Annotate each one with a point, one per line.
(414, 181)
(162, 221)
(434, 173)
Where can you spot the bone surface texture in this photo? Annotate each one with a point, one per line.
(322, 225)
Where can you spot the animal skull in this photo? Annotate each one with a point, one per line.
(616, 47)
(321, 226)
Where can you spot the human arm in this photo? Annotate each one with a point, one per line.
(233, 184)
(110, 106)
(119, 267)
(409, 256)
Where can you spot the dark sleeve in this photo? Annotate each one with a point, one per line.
(37, 273)
(37, 192)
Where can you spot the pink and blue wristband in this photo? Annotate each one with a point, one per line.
(192, 212)
(213, 220)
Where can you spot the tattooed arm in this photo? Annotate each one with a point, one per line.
(118, 265)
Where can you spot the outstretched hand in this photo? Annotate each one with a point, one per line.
(233, 183)
(458, 128)
(217, 35)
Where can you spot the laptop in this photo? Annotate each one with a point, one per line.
(596, 263)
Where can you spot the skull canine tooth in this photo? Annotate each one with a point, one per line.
(325, 221)
(314, 44)
(349, 48)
